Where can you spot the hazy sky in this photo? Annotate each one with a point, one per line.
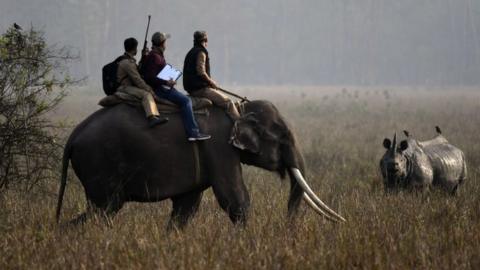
(277, 42)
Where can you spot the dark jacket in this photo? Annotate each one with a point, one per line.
(154, 63)
(192, 79)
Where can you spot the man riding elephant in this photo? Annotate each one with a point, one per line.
(132, 83)
(154, 63)
(196, 76)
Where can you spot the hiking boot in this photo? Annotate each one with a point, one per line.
(199, 137)
(156, 120)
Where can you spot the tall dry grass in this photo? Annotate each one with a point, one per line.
(341, 133)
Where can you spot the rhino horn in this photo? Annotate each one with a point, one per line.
(394, 143)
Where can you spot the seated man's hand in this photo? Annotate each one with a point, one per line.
(171, 83)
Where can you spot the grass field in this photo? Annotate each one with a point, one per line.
(341, 133)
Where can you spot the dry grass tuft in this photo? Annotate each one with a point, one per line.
(341, 134)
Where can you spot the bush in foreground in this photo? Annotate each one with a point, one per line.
(33, 81)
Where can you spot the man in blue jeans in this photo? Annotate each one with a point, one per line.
(154, 63)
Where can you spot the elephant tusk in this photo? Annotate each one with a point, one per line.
(317, 209)
(301, 181)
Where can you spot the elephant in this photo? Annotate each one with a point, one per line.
(118, 158)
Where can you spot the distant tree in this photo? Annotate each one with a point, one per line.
(33, 81)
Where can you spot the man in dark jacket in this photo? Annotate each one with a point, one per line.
(154, 63)
(196, 76)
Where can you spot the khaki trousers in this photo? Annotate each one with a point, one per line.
(218, 99)
(148, 102)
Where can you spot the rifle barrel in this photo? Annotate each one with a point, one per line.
(146, 33)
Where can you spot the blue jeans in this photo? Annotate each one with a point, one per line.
(173, 95)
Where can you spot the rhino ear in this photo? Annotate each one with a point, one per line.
(403, 145)
(387, 143)
(244, 135)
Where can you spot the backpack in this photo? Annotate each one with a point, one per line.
(109, 76)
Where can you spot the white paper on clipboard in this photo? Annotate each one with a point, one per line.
(169, 73)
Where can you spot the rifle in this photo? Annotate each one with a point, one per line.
(144, 50)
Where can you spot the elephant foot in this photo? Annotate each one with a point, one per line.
(239, 217)
(75, 222)
(176, 225)
(104, 213)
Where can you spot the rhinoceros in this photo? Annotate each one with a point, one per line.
(416, 165)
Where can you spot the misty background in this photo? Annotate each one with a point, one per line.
(276, 42)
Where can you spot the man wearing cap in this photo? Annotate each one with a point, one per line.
(196, 76)
(132, 83)
(154, 63)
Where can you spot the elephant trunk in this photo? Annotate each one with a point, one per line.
(295, 197)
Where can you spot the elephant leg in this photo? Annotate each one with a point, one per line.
(233, 197)
(105, 211)
(105, 208)
(185, 206)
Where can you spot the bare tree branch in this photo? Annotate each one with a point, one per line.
(33, 81)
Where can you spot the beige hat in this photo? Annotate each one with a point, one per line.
(158, 38)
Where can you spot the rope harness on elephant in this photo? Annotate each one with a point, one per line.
(200, 106)
(240, 106)
(196, 156)
(196, 159)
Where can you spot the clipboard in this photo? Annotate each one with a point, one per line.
(169, 73)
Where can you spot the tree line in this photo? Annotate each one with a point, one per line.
(371, 42)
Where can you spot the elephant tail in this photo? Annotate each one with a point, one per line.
(63, 180)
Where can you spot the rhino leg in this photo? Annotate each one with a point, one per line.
(462, 177)
(185, 206)
(453, 191)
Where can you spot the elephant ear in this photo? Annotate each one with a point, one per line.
(244, 135)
